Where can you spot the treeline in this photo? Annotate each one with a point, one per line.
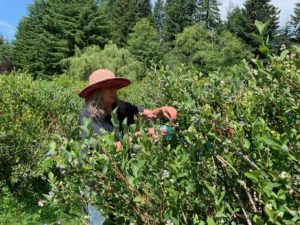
(57, 33)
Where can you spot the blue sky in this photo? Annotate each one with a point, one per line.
(10, 13)
(12, 10)
(286, 8)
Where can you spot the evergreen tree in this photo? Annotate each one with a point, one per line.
(53, 29)
(295, 22)
(124, 15)
(208, 50)
(159, 14)
(234, 20)
(143, 42)
(178, 15)
(5, 55)
(143, 9)
(284, 36)
(207, 13)
(230, 8)
(242, 21)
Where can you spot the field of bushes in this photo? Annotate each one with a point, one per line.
(234, 158)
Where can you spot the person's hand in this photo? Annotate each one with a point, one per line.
(118, 146)
(149, 114)
(169, 112)
(154, 136)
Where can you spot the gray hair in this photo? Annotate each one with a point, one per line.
(94, 105)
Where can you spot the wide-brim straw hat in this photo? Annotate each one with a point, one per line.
(103, 78)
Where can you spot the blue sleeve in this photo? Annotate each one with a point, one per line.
(95, 125)
(140, 109)
(84, 114)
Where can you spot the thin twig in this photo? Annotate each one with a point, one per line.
(246, 158)
(247, 190)
(215, 169)
(145, 218)
(228, 206)
(224, 163)
(184, 218)
(242, 207)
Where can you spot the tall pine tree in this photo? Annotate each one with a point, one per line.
(159, 14)
(5, 56)
(144, 43)
(124, 15)
(242, 22)
(234, 20)
(295, 22)
(53, 29)
(207, 13)
(178, 15)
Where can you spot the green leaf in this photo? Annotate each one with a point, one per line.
(45, 166)
(261, 27)
(292, 212)
(246, 144)
(218, 202)
(134, 169)
(220, 213)
(292, 157)
(272, 142)
(52, 146)
(211, 189)
(264, 50)
(251, 176)
(190, 188)
(257, 220)
(139, 199)
(282, 194)
(86, 127)
(269, 212)
(283, 55)
(50, 176)
(114, 119)
(210, 221)
(284, 148)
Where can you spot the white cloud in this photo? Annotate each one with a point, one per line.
(7, 30)
(6, 25)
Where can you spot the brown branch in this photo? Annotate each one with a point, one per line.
(224, 162)
(242, 183)
(246, 158)
(247, 190)
(225, 173)
(242, 207)
(215, 168)
(184, 218)
(145, 218)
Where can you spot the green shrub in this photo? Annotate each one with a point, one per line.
(31, 112)
(235, 158)
(28, 210)
(144, 43)
(119, 61)
(207, 50)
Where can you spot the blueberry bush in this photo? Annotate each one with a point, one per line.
(234, 159)
(31, 112)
